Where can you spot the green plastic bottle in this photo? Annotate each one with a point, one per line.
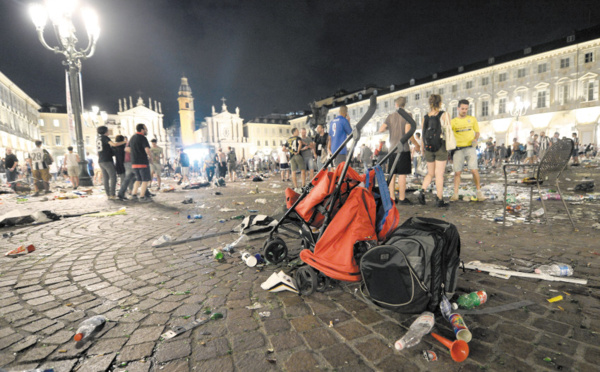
(217, 254)
(471, 300)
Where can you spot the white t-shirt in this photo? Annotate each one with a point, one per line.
(283, 159)
(37, 159)
(71, 159)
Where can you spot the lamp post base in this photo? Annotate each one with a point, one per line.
(84, 176)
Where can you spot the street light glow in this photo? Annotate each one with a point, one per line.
(92, 26)
(39, 16)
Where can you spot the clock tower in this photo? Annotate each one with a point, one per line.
(187, 117)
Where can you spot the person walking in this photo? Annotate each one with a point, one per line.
(157, 158)
(321, 151)
(105, 161)
(544, 144)
(339, 130)
(40, 160)
(307, 151)
(231, 163)
(11, 163)
(398, 127)
(140, 162)
(209, 168)
(184, 163)
(434, 122)
(295, 144)
(221, 163)
(466, 131)
(72, 164)
(530, 148)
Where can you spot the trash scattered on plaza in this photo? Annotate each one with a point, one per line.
(89, 327)
(8, 235)
(188, 201)
(471, 300)
(261, 201)
(419, 328)
(254, 306)
(429, 355)
(20, 251)
(18, 217)
(120, 212)
(226, 210)
(555, 299)
(556, 269)
(162, 240)
(480, 266)
(459, 349)
(177, 330)
(264, 314)
(278, 282)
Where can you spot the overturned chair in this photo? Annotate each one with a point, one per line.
(552, 165)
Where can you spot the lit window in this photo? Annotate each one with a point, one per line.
(502, 106)
(542, 67)
(563, 94)
(541, 99)
(589, 57)
(57, 140)
(502, 77)
(484, 108)
(56, 123)
(43, 140)
(564, 62)
(41, 122)
(592, 91)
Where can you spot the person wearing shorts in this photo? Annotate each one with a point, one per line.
(157, 156)
(39, 168)
(466, 131)
(398, 127)
(284, 165)
(297, 162)
(140, 155)
(436, 160)
(72, 163)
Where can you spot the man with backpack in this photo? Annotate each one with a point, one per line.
(466, 132)
(231, 163)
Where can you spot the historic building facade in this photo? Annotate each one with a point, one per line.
(559, 80)
(18, 119)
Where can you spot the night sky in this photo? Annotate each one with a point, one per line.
(275, 56)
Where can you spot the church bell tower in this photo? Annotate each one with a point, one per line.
(187, 117)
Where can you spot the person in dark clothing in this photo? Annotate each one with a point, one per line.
(11, 163)
(119, 152)
(105, 161)
(140, 162)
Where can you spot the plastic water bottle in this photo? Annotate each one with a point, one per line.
(417, 330)
(88, 326)
(217, 254)
(445, 307)
(557, 269)
(471, 300)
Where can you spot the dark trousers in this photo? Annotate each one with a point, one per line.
(127, 181)
(210, 173)
(11, 177)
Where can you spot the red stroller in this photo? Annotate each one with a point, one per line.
(338, 218)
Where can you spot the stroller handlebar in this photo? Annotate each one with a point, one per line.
(367, 116)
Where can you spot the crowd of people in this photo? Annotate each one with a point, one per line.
(135, 162)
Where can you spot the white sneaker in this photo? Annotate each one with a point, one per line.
(480, 196)
(454, 198)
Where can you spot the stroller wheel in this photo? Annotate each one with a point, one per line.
(306, 280)
(275, 251)
(323, 281)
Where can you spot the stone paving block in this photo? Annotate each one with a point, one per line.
(285, 341)
(41, 300)
(591, 355)
(305, 323)
(57, 279)
(558, 344)
(6, 331)
(141, 366)
(273, 326)
(351, 330)
(559, 361)
(32, 295)
(106, 291)
(106, 346)
(62, 365)
(241, 325)
(156, 319)
(37, 354)
(25, 343)
(551, 326)
(319, 337)
(9, 340)
(203, 350)
(136, 352)
(336, 317)
(59, 337)
(118, 295)
(20, 318)
(247, 341)
(166, 307)
(98, 363)
(6, 358)
(339, 355)
(7, 301)
(9, 309)
(58, 312)
(396, 362)
(38, 325)
(253, 361)
(389, 330)
(368, 316)
(173, 350)
(147, 304)
(97, 286)
(31, 289)
(373, 349)
(73, 316)
(302, 361)
(145, 334)
(224, 364)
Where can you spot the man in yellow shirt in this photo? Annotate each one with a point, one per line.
(466, 131)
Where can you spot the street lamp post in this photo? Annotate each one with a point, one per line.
(60, 13)
(517, 109)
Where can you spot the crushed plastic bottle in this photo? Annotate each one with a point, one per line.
(557, 269)
(88, 326)
(471, 300)
(445, 307)
(163, 239)
(417, 330)
(217, 254)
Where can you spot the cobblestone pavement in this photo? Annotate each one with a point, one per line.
(84, 266)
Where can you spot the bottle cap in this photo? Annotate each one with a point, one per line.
(78, 336)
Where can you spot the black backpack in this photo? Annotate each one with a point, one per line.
(432, 136)
(417, 264)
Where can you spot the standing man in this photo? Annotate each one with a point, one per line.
(295, 144)
(284, 166)
(544, 144)
(530, 148)
(222, 163)
(10, 163)
(321, 150)
(72, 163)
(307, 152)
(555, 139)
(105, 161)
(40, 160)
(339, 129)
(209, 168)
(157, 156)
(575, 149)
(398, 127)
(231, 163)
(366, 155)
(140, 161)
(184, 163)
(466, 132)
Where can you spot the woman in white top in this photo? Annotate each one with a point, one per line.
(284, 165)
(72, 164)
